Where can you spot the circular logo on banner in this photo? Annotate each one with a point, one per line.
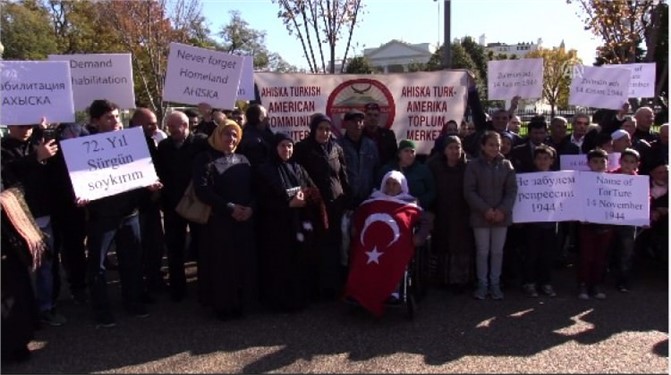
(355, 94)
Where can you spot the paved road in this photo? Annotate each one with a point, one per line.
(450, 334)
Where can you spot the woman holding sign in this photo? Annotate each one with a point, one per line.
(227, 257)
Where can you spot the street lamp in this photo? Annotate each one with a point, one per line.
(447, 50)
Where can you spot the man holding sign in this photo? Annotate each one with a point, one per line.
(114, 218)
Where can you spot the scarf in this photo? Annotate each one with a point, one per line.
(14, 206)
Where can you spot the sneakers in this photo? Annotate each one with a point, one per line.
(495, 292)
(105, 320)
(481, 292)
(52, 318)
(582, 292)
(623, 288)
(530, 290)
(599, 293)
(548, 290)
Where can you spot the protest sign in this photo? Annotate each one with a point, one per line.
(546, 196)
(106, 164)
(643, 78)
(599, 87)
(579, 162)
(100, 76)
(414, 105)
(246, 89)
(198, 75)
(31, 90)
(509, 78)
(617, 199)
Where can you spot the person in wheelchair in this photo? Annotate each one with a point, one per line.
(386, 228)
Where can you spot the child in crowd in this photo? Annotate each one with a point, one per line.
(594, 241)
(490, 188)
(624, 235)
(538, 256)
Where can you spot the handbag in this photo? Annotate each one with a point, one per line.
(191, 208)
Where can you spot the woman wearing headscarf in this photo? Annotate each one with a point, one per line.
(452, 240)
(227, 257)
(287, 218)
(324, 160)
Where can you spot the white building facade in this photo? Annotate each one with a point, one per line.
(396, 56)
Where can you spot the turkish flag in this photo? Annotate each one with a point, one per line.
(381, 248)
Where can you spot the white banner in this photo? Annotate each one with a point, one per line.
(579, 162)
(100, 76)
(246, 89)
(617, 199)
(643, 79)
(509, 78)
(198, 75)
(545, 196)
(31, 90)
(599, 87)
(106, 164)
(414, 105)
(605, 198)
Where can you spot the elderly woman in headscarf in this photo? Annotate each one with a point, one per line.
(287, 217)
(227, 257)
(324, 160)
(452, 242)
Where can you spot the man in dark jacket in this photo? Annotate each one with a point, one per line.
(522, 156)
(257, 138)
(384, 138)
(174, 162)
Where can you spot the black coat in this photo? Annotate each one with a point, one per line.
(174, 166)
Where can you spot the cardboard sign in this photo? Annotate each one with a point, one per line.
(599, 87)
(509, 78)
(198, 75)
(579, 162)
(106, 164)
(643, 79)
(415, 106)
(31, 90)
(617, 199)
(545, 196)
(246, 89)
(100, 76)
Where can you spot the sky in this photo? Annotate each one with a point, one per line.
(421, 21)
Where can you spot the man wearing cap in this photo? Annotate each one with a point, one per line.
(384, 138)
(361, 157)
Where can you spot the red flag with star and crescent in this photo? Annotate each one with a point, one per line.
(381, 248)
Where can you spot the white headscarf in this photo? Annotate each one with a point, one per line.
(400, 178)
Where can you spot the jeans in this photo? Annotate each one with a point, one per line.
(623, 253)
(489, 244)
(175, 238)
(126, 234)
(44, 276)
(153, 245)
(539, 253)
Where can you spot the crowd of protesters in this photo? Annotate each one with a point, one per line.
(275, 239)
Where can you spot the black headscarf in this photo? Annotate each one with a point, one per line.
(286, 169)
(328, 145)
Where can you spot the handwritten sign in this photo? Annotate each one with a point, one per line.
(198, 75)
(643, 78)
(579, 162)
(509, 78)
(106, 164)
(100, 76)
(33, 89)
(246, 89)
(617, 199)
(599, 87)
(545, 196)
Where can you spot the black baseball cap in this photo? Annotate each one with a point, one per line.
(354, 114)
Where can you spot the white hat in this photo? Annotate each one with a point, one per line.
(618, 134)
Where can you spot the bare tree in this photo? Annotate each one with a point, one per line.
(321, 22)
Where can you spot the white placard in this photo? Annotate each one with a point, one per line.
(106, 164)
(100, 76)
(198, 75)
(546, 196)
(509, 78)
(31, 90)
(599, 87)
(643, 79)
(617, 199)
(246, 89)
(579, 162)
